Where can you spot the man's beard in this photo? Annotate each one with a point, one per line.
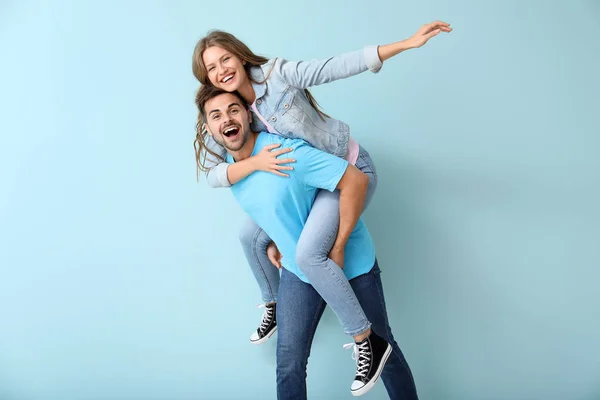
(236, 147)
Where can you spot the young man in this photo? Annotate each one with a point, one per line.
(280, 206)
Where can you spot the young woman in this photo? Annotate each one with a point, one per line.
(276, 91)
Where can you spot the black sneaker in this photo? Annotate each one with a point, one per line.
(371, 355)
(268, 325)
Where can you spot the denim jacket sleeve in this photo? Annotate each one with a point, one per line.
(216, 175)
(304, 74)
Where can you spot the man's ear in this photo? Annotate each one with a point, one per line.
(205, 129)
(249, 115)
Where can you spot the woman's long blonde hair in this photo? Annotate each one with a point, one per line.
(236, 47)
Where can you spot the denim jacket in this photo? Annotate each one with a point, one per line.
(282, 102)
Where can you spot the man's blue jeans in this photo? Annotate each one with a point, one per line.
(299, 310)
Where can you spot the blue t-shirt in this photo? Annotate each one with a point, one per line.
(280, 206)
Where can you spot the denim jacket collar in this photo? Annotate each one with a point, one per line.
(257, 74)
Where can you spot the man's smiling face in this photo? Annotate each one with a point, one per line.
(228, 121)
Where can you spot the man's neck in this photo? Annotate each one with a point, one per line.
(246, 151)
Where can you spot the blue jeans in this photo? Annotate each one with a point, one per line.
(312, 254)
(298, 313)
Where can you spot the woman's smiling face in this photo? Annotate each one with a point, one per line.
(224, 69)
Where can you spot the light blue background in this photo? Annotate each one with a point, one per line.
(121, 277)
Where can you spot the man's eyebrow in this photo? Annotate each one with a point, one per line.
(228, 107)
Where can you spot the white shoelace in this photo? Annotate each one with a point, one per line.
(362, 356)
(266, 318)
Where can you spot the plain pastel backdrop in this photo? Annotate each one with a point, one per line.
(121, 277)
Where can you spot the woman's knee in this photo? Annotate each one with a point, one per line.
(251, 235)
(248, 232)
(315, 244)
(310, 254)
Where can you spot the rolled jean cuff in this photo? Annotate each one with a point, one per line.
(359, 331)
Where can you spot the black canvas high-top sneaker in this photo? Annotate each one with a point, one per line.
(371, 355)
(268, 325)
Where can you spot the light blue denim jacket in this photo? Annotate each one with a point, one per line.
(282, 102)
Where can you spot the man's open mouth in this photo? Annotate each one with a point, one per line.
(231, 131)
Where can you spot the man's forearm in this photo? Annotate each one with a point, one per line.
(353, 194)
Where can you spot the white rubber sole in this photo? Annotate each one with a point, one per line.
(264, 339)
(372, 382)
